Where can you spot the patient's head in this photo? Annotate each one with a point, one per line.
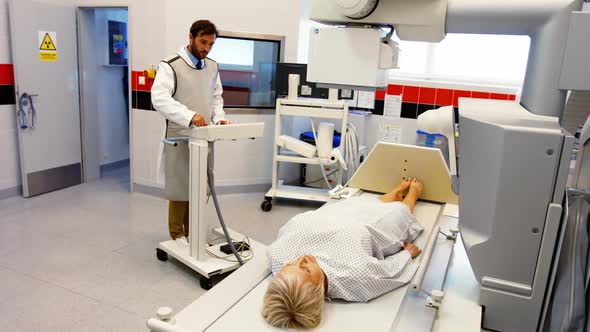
(294, 299)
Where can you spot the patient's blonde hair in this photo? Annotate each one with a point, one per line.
(291, 303)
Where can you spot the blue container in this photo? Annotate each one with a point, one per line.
(434, 141)
(308, 138)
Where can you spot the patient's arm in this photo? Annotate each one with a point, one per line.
(393, 266)
(412, 249)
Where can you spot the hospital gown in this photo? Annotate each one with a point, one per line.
(356, 242)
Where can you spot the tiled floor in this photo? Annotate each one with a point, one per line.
(82, 258)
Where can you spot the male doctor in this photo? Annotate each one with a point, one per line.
(187, 92)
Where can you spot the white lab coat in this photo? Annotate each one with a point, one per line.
(162, 91)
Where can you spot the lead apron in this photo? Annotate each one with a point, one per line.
(193, 88)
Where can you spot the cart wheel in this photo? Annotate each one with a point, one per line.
(206, 283)
(162, 255)
(266, 206)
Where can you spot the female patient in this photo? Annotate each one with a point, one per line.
(354, 251)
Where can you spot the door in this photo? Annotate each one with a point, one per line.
(44, 51)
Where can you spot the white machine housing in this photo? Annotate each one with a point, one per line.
(350, 57)
(357, 55)
(298, 146)
(422, 20)
(504, 149)
(546, 22)
(441, 122)
(513, 168)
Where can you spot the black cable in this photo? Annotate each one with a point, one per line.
(217, 208)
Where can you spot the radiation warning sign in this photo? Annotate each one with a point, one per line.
(47, 46)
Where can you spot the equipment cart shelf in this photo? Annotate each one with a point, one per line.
(335, 110)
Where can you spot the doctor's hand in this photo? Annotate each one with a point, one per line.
(412, 249)
(198, 121)
(222, 122)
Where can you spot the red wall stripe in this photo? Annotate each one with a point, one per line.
(480, 95)
(395, 89)
(499, 96)
(458, 94)
(380, 94)
(6, 74)
(439, 96)
(444, 97)
(427, 96)
(411, 94)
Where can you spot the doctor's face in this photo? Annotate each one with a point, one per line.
(201, 45)
(305, 267)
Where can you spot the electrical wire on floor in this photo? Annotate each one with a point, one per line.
(320, 179)
(211, 180)
(240, 249)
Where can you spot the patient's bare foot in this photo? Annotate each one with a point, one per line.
(397, 194)
(405, 184)
(416, 187)
(400, 191)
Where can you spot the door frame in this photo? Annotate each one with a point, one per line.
(83, 115)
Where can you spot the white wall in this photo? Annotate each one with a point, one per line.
(146, 40)
(156, 29)
(255, 16)
(9, 164)
(113, 120)
(237, 163)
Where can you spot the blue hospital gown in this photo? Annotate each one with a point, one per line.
(357, 243)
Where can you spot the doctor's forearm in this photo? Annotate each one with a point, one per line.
(173, 110)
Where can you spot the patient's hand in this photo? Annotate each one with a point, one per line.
(412, 249)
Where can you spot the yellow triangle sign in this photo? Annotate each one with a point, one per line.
(47, 44)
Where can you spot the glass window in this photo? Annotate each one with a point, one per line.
(247, 69)
(491, 58)
(469, 58)
(414, 57)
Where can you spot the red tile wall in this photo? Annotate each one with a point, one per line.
(444, 97)
(427, 96)
(436, 96)
(6, 74)
(380, 94)
(7, 95)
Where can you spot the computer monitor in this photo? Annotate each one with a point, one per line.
(306, 89)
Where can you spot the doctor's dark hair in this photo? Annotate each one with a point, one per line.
(204, 27)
